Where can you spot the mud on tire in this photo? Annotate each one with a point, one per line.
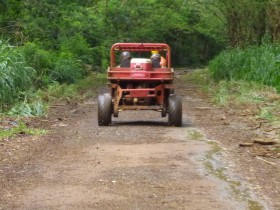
(104, 109)
(175, 110)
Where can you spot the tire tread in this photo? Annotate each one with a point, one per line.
(104, 109)
(175, 110)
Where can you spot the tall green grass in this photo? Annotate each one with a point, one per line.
(243, 92)
(27, 91)
(239, 93)
(15, 75)
(256, 63)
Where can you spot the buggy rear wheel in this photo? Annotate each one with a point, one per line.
(175, 110)
(104, 109)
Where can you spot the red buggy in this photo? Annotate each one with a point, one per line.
(140, 86)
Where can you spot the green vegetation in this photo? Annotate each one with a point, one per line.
(240, 93)
(214, 167)
(195, 135)
(53, 45)
(243, 92)
(25, 91)
(21, 128)
(80, 90)
(36, 103)
(15, 75)
(256, 63)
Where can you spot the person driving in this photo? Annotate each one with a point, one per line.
(155, 58)
(155, 55)
(125, 59)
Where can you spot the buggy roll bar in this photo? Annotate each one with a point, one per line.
(140, 47)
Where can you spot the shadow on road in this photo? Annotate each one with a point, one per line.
(146, 123)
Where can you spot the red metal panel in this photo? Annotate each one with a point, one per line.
(128, 74)
(138, 79)
(137, 93)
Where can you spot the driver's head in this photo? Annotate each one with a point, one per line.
(125, 55)
(155, 56)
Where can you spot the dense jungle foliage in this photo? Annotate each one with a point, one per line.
(49, 42)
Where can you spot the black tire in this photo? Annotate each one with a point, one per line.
(164, 109)
(104, 109)
(175, 110)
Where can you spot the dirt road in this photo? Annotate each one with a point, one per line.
(136, 163)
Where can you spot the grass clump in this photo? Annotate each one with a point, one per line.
(20, 128)
(242, 92)
(15, 75)
(80, 90)
(24, 109)
(201, 78)
(36, 103)
(249, 76)
(239, 93)
(256, 63)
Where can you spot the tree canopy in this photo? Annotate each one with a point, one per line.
(196, 29)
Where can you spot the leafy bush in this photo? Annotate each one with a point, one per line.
(77, 46)
(257, 63)
(82, 89)
(59, 92)
(15, 75)
(39, 59)
(67, 69)
(29, 103)
(50, 67)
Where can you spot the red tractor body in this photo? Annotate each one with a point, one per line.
(140, 86)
